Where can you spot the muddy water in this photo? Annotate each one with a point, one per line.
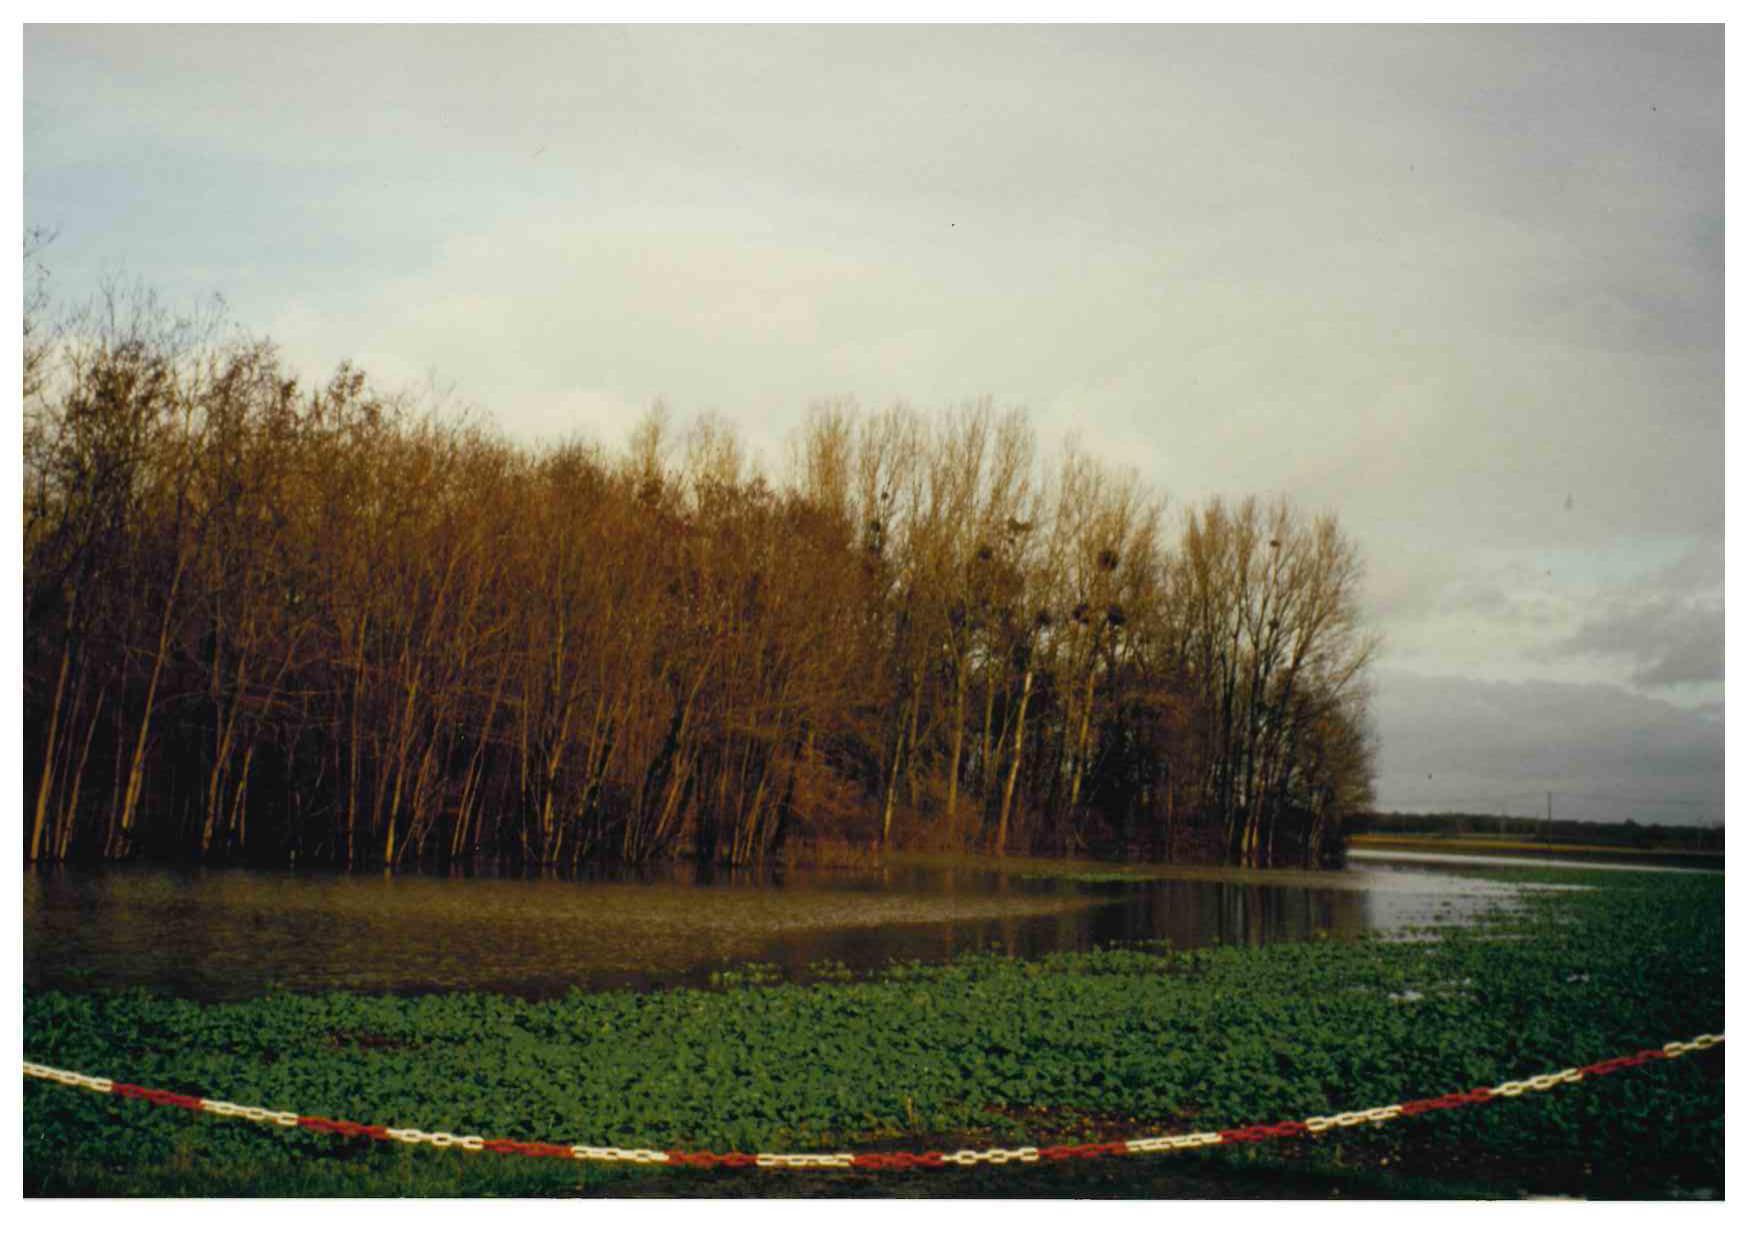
(233, 934)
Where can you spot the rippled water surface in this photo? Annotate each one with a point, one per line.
(233, 934)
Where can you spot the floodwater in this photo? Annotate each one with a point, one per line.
(1422, 859)
(233, 934)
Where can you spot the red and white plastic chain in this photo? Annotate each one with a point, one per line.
(876, 1161)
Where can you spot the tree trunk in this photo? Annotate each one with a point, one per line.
(70, 818)
(959, 689)
(46, 784)
(1080, 744)
(1007, 796)
(137, 767)
(239, 807)
(892, 786)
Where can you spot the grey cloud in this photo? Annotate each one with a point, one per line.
(1634, 311)
(1606, 753)
(1501, 599)
(1667, 642)
(1700, 568)
(1667, 626)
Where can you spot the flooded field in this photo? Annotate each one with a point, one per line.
(235, 934)
(1422, 858)
(992, 1049)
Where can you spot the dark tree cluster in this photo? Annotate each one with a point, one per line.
(265, 621)
(1627, 834)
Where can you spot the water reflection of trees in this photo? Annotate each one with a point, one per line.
(232, 933)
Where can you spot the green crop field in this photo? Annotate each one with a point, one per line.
(986, 1049)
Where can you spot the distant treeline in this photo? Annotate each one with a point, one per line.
(265, 621)
(1628, 834)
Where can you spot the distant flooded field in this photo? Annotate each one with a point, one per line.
(1559, 857)
(229, 934)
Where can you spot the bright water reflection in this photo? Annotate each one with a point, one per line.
(233, 934)
(1369, 859)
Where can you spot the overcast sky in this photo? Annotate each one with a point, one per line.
(1463, 285)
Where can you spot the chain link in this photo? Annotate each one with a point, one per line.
(1703, 1042)
(99, 1084)
(971, 1158)
(1352, 1119)
(803, 1161)
(438, 1140)
(259, 1115)
(1184, 1141)
(876, 1161)
(612, 1153)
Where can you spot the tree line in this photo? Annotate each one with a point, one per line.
(269, 621)
(1628, 834)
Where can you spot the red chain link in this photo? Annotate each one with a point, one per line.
(162, 1097)
(899, 1162)
(1266, 1132)
(342, 1127)
(529, 1149)
(680, 1158)
(1448, 1102)
(1057, 1153)
(1606, 1066)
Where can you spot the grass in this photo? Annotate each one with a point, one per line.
(1091, 1045)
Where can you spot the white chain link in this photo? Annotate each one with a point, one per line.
(612, 1153)
(259, 1115)
(1546, 1081)
(1352, 1119)
(806, 1160)
(1184, 1141)
(1704, 1041)
(970, 1158)
(439, 1140)
(99, 1084)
